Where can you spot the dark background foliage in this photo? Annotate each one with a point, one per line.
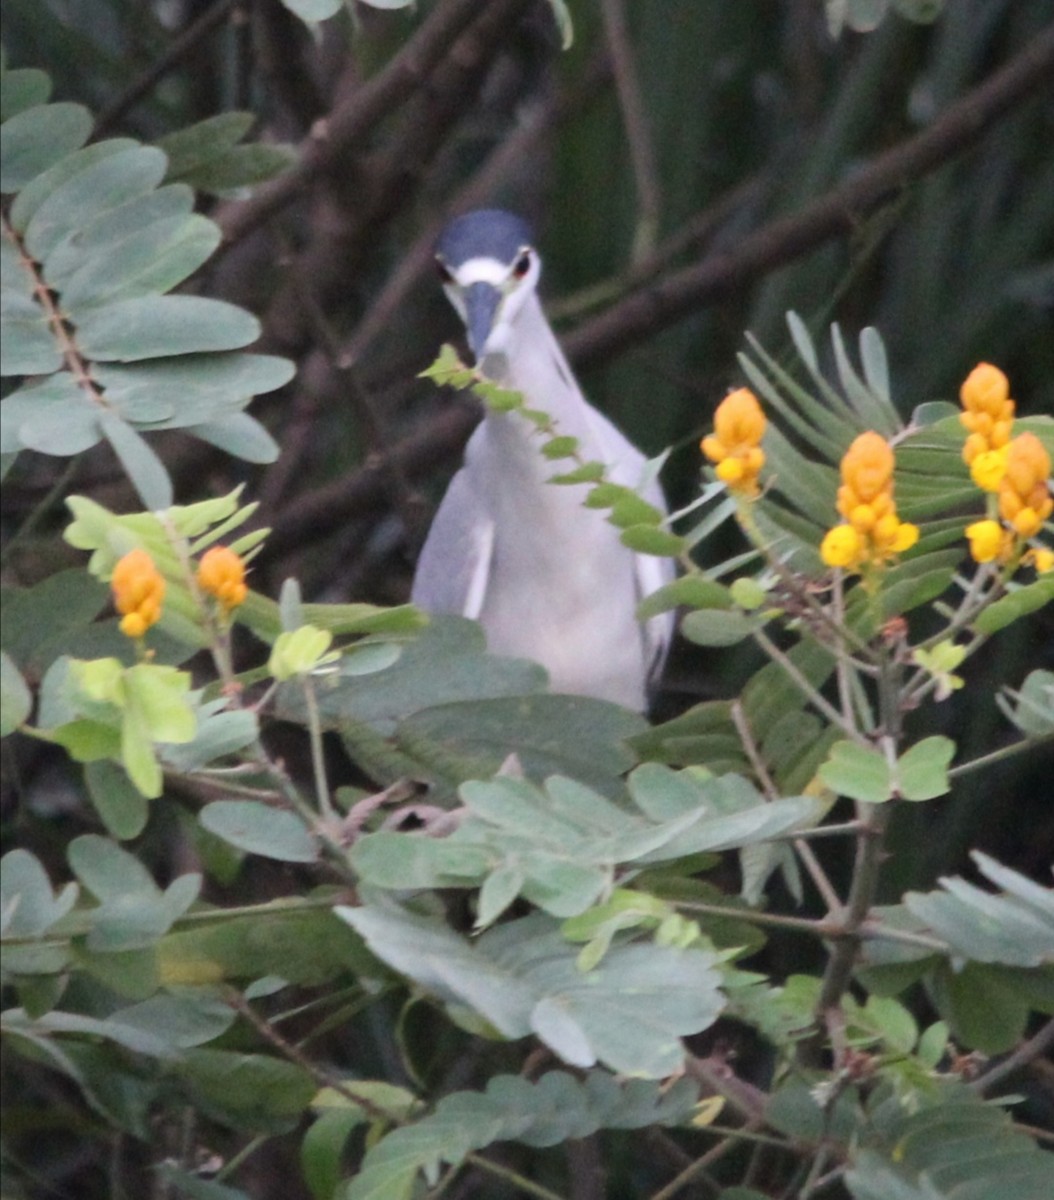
(670, 161)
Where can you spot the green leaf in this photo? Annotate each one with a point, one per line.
(120, 804)
(258, 829)
(199, 386)
(160, 694)
(247, 1091)
(220, 732)
(240, 167)
(145, 255)
(922, 771)
(144, 468)
(556, 1108)
(322, 1149)
(157, 326)
(28, 346)
(589, 472)
(630, 510)
(1034, 711)
(521, 977)
(133, 913)
(240, 435)
(1028, 599)
(37, 138)
(22, 89)
(28, 907)
(54, 417)
(550, 734)
(648, 539)
(717, 627)
(859, 772)
(693, 591)
(16, 701)
(198, 143)
(100, 186)
(185, 1017)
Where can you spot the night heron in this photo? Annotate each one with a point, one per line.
(547, 579)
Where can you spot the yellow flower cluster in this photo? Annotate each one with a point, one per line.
(138, 590)
(872, 531)
(1025, 501)
(988, 413)
(221, 573)
(735, 444)
(1014, 470)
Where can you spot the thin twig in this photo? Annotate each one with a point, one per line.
(995, 756)
(333, 138)
(635, 123)
(178, 49)
(655, 306)
(1037, 1046)
(806, 688)
(804, 850)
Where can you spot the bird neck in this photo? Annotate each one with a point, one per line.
(536, 367)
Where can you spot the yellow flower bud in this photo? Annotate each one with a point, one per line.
(986, 539)
(1024, 491)
(739, 420)
(138, 590)
(986, 389)
(1027, 523)
(841, 546)
(739, 425)
(988, 468)
(134, 625)
(867, 466)
(713, 448)
(1042, 559)
(906, 537)
(730, 470)
(221, 573)
(862, 518)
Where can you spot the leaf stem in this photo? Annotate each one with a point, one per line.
(806, 688)
(804, 850)
(318, 760)
(995, 756)
(1036, 1047)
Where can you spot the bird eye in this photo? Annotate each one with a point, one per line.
(445, 273)
(523, 265)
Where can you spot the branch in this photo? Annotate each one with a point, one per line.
(635, 123)
(182, 46)
(652, 308)
(1037, 1046)
(333, 137)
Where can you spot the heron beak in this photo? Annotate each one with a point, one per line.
(481, 307)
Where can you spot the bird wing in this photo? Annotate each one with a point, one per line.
(454, 568)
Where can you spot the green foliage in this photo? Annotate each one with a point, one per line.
(511, 877)
(545, 1113)
(95, 239)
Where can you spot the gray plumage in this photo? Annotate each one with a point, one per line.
(548, 579)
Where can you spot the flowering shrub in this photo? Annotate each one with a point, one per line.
(578, 837)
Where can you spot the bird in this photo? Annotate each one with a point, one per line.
(548, 579)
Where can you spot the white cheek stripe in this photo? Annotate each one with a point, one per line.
(481, 270)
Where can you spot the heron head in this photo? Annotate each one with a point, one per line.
(489, 268)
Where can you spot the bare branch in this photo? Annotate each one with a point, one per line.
(334, 137)
(652, 308)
